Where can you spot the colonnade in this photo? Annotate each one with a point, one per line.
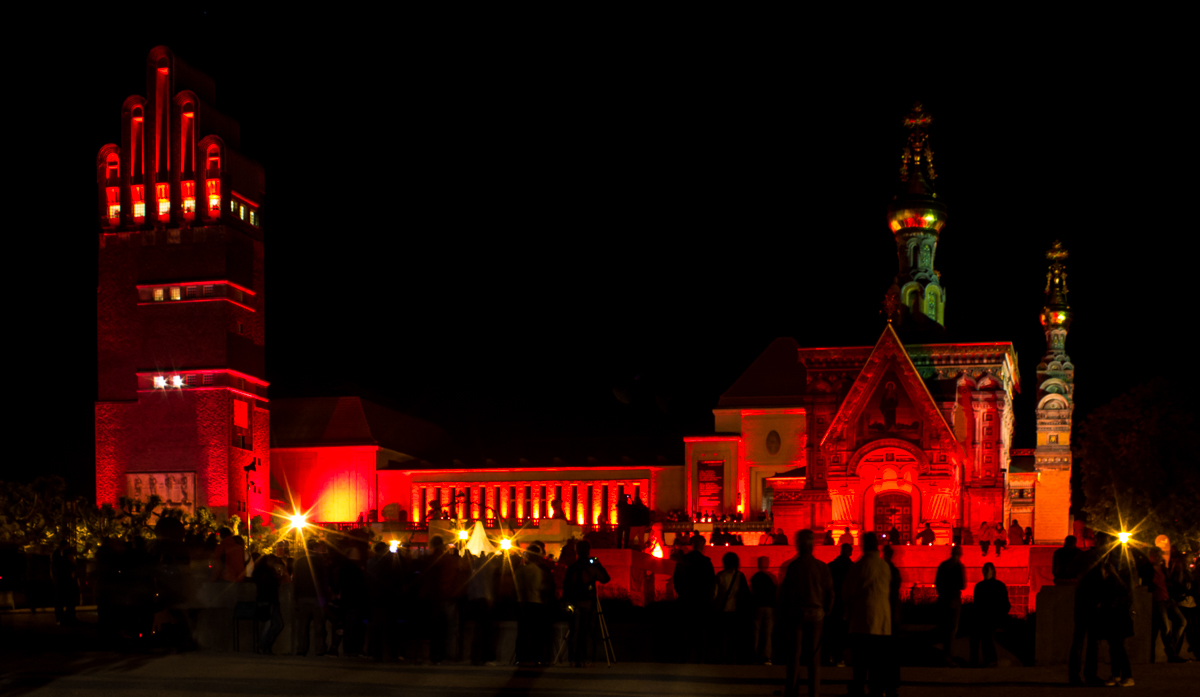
(522, 500)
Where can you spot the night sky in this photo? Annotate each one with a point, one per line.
(575, 249)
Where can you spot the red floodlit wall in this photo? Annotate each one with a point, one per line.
(179, 431)
(330, 484)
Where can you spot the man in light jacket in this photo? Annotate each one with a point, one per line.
(805, 599)
(870, 613)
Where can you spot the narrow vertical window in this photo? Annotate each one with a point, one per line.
(212, 181)
(188, 190)
(162, 109)
(175, 293)
(138, 192)
(137, 153)
(112, 188)
(162, 195)
(187, 156)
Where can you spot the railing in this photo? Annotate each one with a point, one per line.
(744, 526)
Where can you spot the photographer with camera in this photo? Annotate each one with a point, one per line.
(579, 592)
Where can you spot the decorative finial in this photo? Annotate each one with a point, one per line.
(916, 160)
(1056, 278)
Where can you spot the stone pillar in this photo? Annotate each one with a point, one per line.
(567, 501)
(416, 504)
(475, 502)
(612, 502)
(520, 502)
(489, 502)
(504, 502)
(537, 500)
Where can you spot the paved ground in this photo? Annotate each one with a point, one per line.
(39, 661)
(241, 674)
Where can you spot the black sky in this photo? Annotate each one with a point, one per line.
(505, 237)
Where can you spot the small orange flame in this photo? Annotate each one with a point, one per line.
(657, 552)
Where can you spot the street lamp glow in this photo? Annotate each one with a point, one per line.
(1123, 537)
(394, 545)
(506, 544)
(299, 521)
(462, 534)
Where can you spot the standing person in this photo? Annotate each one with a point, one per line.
(639, 521)
(950, 581)
(1086, 633)
(696, 585)
(764, 589)
(229, 558)
(441, 579)
(806, 598)
(891, 662)
(866, 596)
(481, 606)
(781, 537)
(1064, 563)
(893, 536)
(310, 584)
(731, 606)
(1166, 619)
(623, 522)
(927, 536)
(1016, 534)
(835, 624)
(268, 575)
(1115, 619)
(991, 608)
(66, 584)
(580, 589)
(985, 537)
(535, 593)
(1029, 535)
(385, 580)
(827, 540)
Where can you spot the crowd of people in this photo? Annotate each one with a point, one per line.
(849, 611)
(357, 598)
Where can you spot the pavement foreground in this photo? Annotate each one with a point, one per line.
(248, 674)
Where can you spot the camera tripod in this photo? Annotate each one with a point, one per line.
(610, 656)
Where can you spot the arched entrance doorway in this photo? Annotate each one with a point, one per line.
(894, 509)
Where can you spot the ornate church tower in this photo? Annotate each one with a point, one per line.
(181, 409)
(916, 299)
(1056, 401)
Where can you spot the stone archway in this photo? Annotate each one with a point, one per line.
(893, 508)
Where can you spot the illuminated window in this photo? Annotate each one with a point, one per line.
(113, 194)
(1054, 439)
(158, 294)
(208, 379)
(213, 192)
(160, 381)
(191, 291)
(164, 201)
(139, 202)
(242, 212)
(233, 206)
(176, 381)
(254, 217)
(208, 291)
(175, 293)
(189, 198)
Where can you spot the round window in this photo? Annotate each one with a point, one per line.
(773, 442)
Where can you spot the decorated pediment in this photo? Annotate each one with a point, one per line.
(889, 401)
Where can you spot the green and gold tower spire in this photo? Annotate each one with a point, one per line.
(916, 218)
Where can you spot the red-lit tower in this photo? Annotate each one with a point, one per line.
(181, 408)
